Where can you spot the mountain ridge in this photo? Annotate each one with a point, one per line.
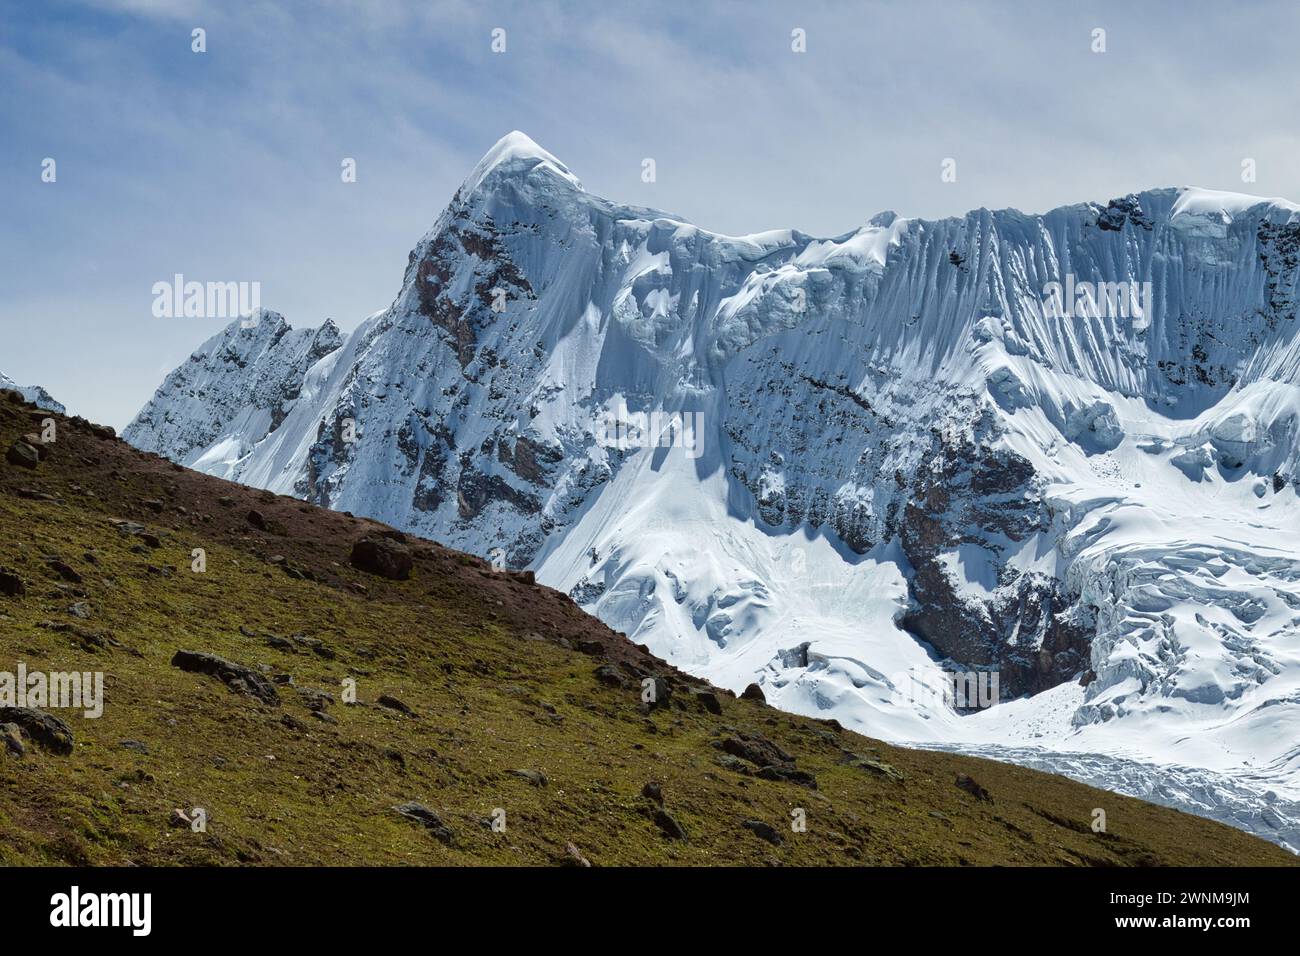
(918, 457)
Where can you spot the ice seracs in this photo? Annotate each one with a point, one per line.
(907, 463)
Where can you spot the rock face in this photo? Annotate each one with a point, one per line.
(844, 468)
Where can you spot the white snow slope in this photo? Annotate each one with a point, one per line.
(896, 459)
(32, 393)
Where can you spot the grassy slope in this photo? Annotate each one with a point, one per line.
(451, 643)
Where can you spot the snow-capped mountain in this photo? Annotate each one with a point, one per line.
(32, 393)
(1059, 447)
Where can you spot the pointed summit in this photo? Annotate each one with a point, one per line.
(516, 152)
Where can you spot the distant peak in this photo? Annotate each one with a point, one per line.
(516, 151)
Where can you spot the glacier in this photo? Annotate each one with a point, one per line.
(912, 453)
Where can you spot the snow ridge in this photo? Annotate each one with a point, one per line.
(1058, 447)
(32, 393)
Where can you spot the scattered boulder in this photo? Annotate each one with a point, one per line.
(707, 699)
(735, 765)
(22, 454)
(42, 449)
(534, 777)
(754, 692)
(755, 748)
(670, 827)
(237, 677)
(127, 528)
(34, 494)
(11, 584)
(392, 703)
(764, 831)
(427, 819)
(653, 791)
(257, 520)
(874, 766)
(789, 774)
(316, 700)
(63, 569)
(281, 643)
(968, 784)
(315, 645)
(135, 745)
(610, 675)
(383, 556)
(772, 762)
(48, 731)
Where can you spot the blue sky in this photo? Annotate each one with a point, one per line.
(225, 165)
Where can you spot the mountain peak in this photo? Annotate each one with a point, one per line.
(516, 152)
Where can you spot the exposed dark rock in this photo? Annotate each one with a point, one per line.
(315, 699)
(873, 766)
(12, 737)
(42, 449)
(1126, 209)
(789, 775)
(63, 569)
(382, 556)
(534, 777)
(237, 677)
(757, 749)
(669, 825)
(392, 703)
(48, 731)
(653, 791)
(754, 692)
(1029, 631)
(427, 819)
(764, 831)
(22, 454)
(708, 700)
(735, 765)
(772, 762)
(968, 784)
(127, 528)
(11, 584)
(610, 675)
